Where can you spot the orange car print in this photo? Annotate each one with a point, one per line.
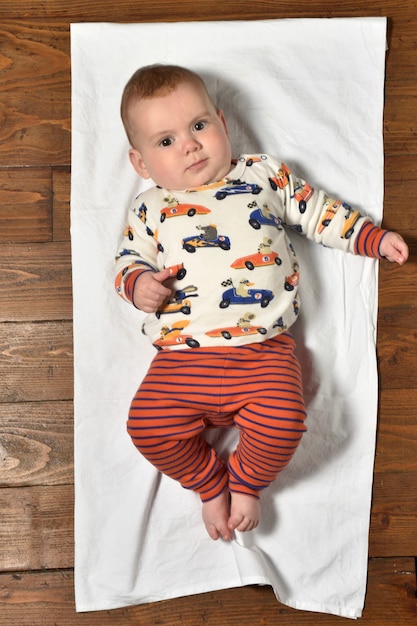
(292, 281)
(303, 193)
(332, 206)
(184, 306)
(258, 259)
(236, 331)
(281, 180)
(183, 209)
(351, 218)
(178, 271)
(172, 336)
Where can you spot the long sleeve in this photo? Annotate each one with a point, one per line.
(137, 252)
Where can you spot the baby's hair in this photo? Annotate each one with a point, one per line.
(152, 81)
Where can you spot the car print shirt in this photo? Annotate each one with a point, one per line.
(235, 272)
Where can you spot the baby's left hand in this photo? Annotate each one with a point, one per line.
(394, 248)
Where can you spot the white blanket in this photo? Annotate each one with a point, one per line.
(310, 92)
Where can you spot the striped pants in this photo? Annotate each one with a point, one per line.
(256, 388)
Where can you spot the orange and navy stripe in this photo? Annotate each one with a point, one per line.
(369, 239)
(256, 388)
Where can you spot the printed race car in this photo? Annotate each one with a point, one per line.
(257, 219)
(302, 193)
(332, 206)
(183, 209)
(292, 281)
(235, 187)
(178, 271)
(175, 340)
(257, 260)
(351, 218)
(180, 302)
(198, 241)
(175, 306)
(281, 180)
(252, 296)
(172, 336)
(236, 331)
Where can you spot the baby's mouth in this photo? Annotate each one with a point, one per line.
(197, 165)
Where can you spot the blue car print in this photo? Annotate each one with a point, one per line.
(237, 187)
(253, 296)
(257, 218)
(198, 241)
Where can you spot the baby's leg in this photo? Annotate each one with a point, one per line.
(271, 426)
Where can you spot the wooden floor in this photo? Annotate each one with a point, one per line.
(36, 379)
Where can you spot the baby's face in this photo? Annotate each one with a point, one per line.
(180, 139)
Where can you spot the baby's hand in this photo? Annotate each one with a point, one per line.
(149, 292)
(394, 248)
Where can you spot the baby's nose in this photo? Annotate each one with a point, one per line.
(191, 145)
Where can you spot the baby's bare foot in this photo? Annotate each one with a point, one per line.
(245, 512)
(216, 515)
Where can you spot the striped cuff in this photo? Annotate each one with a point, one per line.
(129, 283)
(369, 239)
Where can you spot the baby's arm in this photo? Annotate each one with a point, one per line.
(149, 292)
(394, 248)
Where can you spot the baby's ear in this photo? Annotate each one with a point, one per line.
(138, 163)
(222, 118)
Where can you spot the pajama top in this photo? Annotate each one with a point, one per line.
(235, 273)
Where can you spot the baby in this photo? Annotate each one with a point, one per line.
(225, 356)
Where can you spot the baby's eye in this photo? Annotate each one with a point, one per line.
(167, 141)
(199, 125)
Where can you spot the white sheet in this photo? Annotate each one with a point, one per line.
(311, 92)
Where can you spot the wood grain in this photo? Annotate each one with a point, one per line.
(61, 183)
(165, 10)
(37, 444)
(35, 282)
(35, 107)
(25, 205)
(36, 362)
(36, 528)
(394, 507)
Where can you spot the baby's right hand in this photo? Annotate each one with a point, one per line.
(149, 292)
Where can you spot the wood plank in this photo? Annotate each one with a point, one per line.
(401, 37)
(400, 118)
(400, 181)
(36, 440)
(148, 10)
(61, 204)
(25, 205)
(396, 286)
(397, 326)
(393, 517)
(36, 528)
(47, 598)
(36, 96)
(396, 349)
(35, 282)
(394, 503)
(36, 362)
